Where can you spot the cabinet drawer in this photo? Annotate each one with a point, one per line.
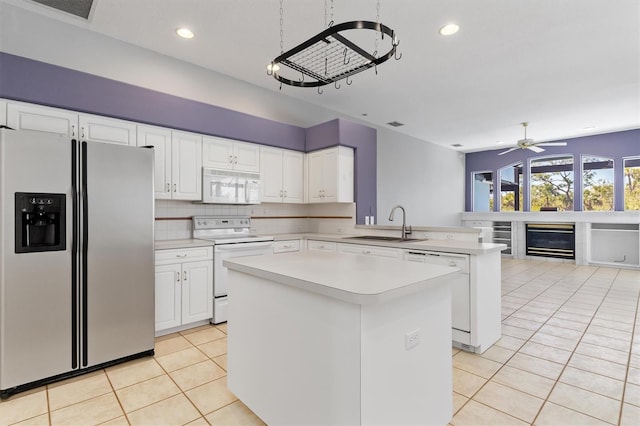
(369, 250)
(321, 245)
(286, 246)
(165, 257)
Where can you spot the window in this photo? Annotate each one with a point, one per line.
(632, 183)
(552, 183)
(511, 188)
(597, 183)
(482, 191)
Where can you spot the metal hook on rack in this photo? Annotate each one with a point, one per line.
(349, 83)
(376, 68)
(280, 85)
(319, 91)
(345, 61)
(336, 84)
(301, 79)
(396, 43)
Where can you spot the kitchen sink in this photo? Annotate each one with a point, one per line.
(381, 238)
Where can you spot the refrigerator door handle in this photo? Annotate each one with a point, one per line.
(74, 252)
(85, 250)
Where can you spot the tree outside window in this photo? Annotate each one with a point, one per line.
(511, 188)
(597, 183)
(632, 183)
(552, 183)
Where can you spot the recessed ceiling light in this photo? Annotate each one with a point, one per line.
(500, 142)
(364, 114)
(457, 145)
(272, 67)
(395, 124)
(184, 32)
(589, 128)
(449, 29)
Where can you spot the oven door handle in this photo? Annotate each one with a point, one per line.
(242, 246)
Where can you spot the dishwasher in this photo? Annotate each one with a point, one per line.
(460, 286)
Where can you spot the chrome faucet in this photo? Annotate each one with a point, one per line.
(405, 231)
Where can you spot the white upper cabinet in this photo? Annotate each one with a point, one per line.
(330, 175)
(186, 166)
(178, 162)
(94, 128)
(282, 175)
(37, 118)
(86, 127)
(3, 113)
(160, 139)
(225, 154)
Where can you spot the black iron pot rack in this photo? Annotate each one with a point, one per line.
(329, 57)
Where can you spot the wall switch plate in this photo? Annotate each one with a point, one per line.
(412, 339)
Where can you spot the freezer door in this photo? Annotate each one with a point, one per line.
(118, 223)
(36, 339)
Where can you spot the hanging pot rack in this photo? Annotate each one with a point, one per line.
(329, 56)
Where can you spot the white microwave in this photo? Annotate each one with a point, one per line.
(227, 187)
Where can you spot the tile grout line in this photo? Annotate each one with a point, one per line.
(564, 367)
(626, 377)
(527, 340)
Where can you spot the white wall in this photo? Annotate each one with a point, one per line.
(425, 178)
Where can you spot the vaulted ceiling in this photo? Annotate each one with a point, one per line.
(569, 67)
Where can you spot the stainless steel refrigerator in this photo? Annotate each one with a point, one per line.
(76, 257)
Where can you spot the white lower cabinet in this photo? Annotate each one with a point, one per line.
(375, 251)
(287, 246)
(184, 286)
(321, 245)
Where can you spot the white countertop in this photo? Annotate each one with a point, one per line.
(179, 244)
(448, 246)
(353, 279)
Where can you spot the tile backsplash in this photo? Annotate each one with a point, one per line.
(173, 218)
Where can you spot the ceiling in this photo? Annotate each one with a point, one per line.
(570, 68)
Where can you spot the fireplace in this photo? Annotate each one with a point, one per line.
(551, 240)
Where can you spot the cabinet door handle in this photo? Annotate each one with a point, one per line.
(231, 159)
(168, 187)
(366, 252)
(177, 277)
(175, 188)
(281, 192)
(285, 194)
(73, 131)
(184, 276)
(235, 159)
(82, 132)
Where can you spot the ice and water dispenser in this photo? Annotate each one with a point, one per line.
(40, 222)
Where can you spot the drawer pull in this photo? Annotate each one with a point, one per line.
(181, 255)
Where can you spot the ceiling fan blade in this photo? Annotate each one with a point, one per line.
(535, 149)
(509, 150)
(552, 144)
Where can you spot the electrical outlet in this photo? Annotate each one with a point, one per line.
(412, 339)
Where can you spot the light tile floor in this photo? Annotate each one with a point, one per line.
(569, 355)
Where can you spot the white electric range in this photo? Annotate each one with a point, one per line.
(232, 237)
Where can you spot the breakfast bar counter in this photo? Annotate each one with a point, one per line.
(320, 338)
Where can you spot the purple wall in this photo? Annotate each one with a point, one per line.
(616, 145)
(37, 82)
(363, 140)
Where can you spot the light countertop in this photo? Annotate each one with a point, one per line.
(179, 244)
(353, 279)
(449, 246)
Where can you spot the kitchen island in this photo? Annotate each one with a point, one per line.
(321, 338)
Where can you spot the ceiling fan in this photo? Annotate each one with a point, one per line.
(530, 144)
